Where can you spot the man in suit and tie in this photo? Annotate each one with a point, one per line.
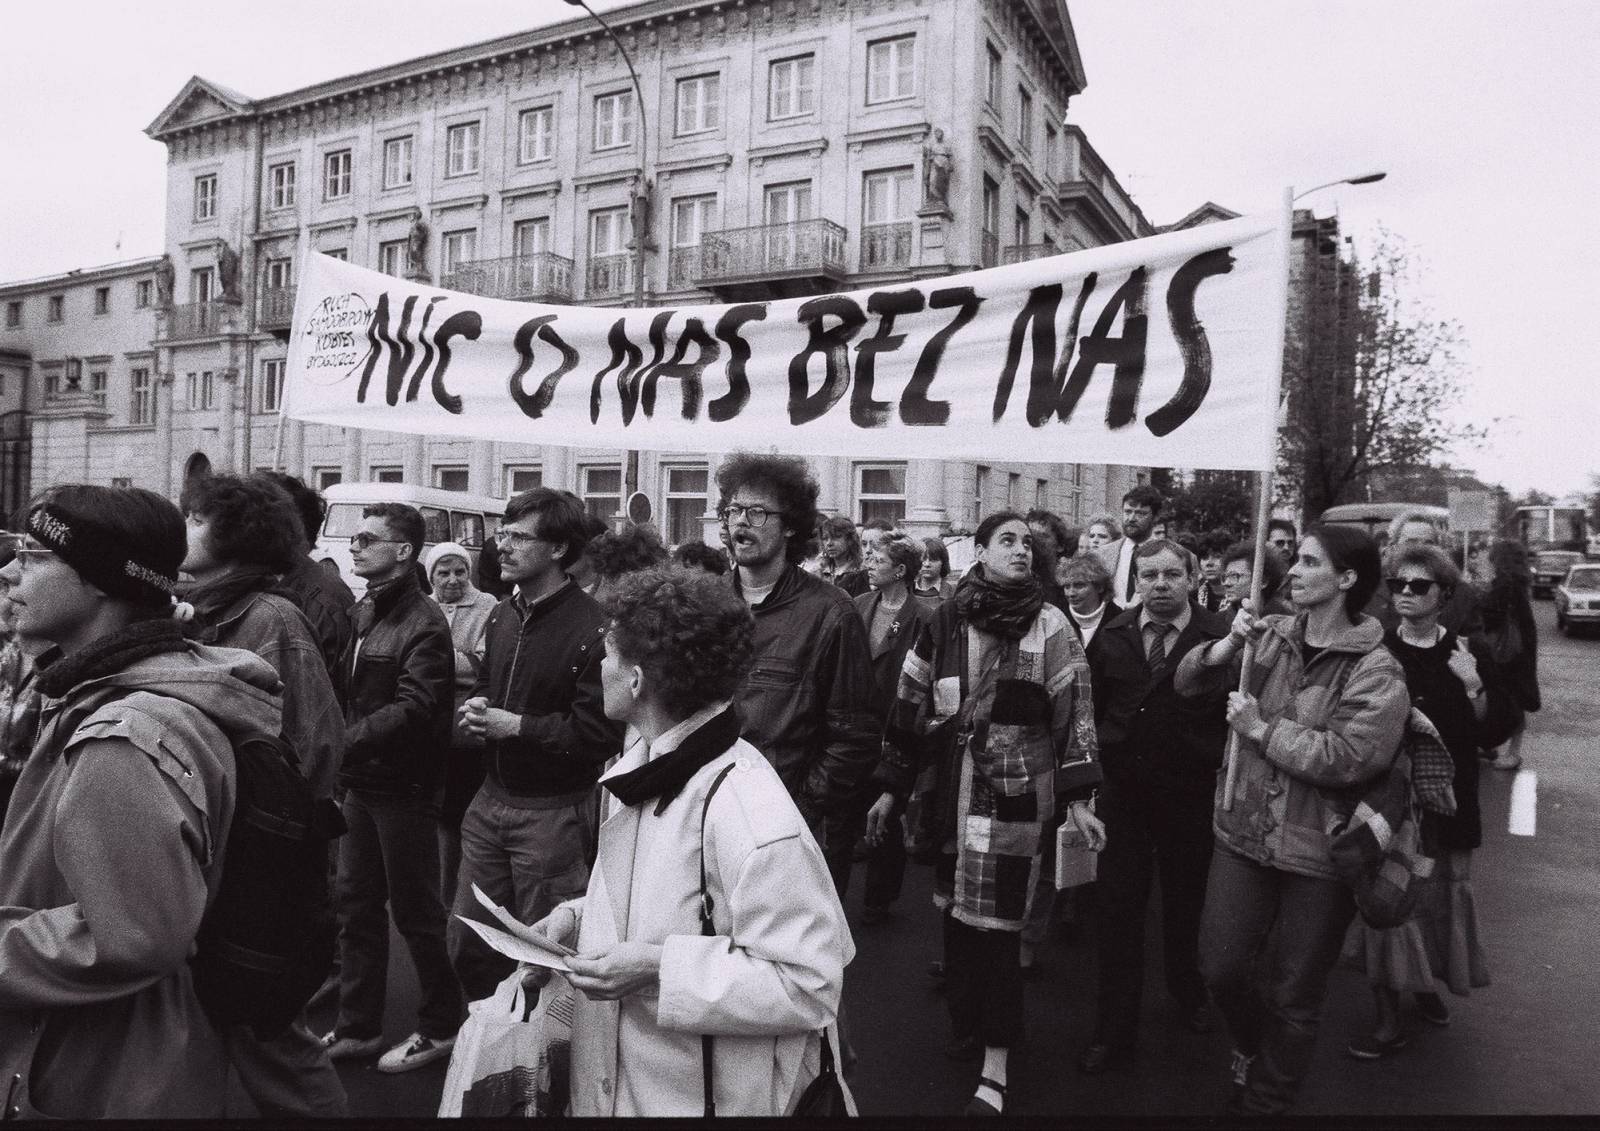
(1140, 508)
(1160, 754)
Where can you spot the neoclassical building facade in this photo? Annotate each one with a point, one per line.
(782, 148)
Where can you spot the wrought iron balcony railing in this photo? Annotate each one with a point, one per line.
(814, 248)
(886, 246)
(1022, 252)
(609, 276)
(198, 319)
(276, 309)
(540, 277)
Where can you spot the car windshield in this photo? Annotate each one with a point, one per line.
(1586, 579)
(1557, 559)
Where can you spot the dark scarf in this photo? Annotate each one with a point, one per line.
(211, 599)
(665, 777)
(111, 654)
(1003, 609)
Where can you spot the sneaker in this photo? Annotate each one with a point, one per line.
(1507, 762)
(414, 1052)
(1376, 1048)
(351, 1048)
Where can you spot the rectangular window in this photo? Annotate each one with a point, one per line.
(686, 491)
(613, 120)
(52, 381)
(792, 87)
(141, 397)
(891, 69)
(1024, 225)
(699, 104)
(691, 217)
(336, 175)
(102, 300)
(886, 232)
(97, 386)
(388, 475)
(608, 231)
(1052, 151)
(991, 77)
(889, 198)
(143, 293)
(122, 481)
(202, 392)
(13, 314)
(1024, 118)
(280, 185)
(536, 134)
(980, 492)
(339, 253)
(327, 476)
(397, 162)
(1041, 494)
(392, 257)
(991, 207)
(459, 248)
(279, 273)
(450, 478)
(1013, 490)
(601, 491)
(881, 492)
(520, 479)
(462, 149)
(531, 237)
(55, 308)
(201, 283)
(205, 197)
(783, 205)
(272, 384)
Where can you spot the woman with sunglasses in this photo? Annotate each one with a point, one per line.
(1326, 718)
(1453, 681)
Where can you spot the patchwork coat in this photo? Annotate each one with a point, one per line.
(984, 735)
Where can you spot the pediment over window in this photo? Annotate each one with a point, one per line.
(199, 102)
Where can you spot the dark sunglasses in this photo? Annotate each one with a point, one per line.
(1417, 586)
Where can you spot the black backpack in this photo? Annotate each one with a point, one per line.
(266, 943)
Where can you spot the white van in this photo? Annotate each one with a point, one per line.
(449, 516)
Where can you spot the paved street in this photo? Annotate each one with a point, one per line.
(1523, 1045)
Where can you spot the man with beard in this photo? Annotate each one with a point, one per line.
(808, 702)
(1160, 754)
(1140, 507)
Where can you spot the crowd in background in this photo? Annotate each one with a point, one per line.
(672, 760)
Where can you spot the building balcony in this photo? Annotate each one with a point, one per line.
(609, 276)
(275, 311)
(540, 277)
(199, 320)
(805, 256)
(1022, 252)
(885, 247)
(988, 250)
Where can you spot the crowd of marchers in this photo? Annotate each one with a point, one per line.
(669, 763)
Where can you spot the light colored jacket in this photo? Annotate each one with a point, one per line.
(113, 849)
(1332, 728)
(763, 986)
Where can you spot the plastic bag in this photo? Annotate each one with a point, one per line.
(511, 1061)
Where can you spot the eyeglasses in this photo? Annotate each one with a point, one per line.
(756, 516)
(364, 541)
(515, 538)
(1420, 586)
(30, 559)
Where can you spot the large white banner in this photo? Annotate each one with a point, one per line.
(1163, 351)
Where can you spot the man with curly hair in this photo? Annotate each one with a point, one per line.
(243, 534)
(808, 703)
(617, 553)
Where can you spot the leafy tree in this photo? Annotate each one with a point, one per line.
(1373, 388)
(1215, 499)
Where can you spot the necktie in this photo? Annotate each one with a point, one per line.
(1155, 652)
(1128, 596)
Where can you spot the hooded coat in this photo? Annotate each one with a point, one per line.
(113, 850)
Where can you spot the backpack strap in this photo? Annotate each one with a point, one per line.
(707, 928)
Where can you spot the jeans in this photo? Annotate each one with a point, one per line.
(391, 855)
(1149, 831)
(1272, 1012)
(526, 860)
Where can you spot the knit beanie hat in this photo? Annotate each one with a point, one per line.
(445, 550)
(143, 570)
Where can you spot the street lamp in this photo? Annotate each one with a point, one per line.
(1360, 179)
(639, 214)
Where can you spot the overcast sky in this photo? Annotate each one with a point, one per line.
(1484, 115)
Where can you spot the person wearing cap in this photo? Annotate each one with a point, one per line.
(467, 610)
(115, 840)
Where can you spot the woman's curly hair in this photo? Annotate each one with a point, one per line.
(253, 520)
(690, 632)
(628, 550)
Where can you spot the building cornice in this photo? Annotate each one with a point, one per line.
(77, 276)
(860, 139)
(759, 155)
(527, 192)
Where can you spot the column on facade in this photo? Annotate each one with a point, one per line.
(559, 467)
(294, 448)
(926, 516)
(354, 450)
(960, 487)
(480, 468)
(834, 494)
(228, 426)
(163, 410)
(710, 524)
(416, 461)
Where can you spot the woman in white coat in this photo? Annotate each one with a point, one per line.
(766, 983)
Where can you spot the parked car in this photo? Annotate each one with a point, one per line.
(1578, 599)
(1550, 568)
